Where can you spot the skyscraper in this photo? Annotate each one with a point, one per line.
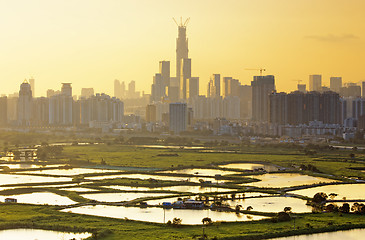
(165, 72)
(3, 111)
(216, 79)
(178, 117)
(363, 89)
(315, 83)
(117, 88)
(32, 86)
(262, 87)
(185, 73)
(335, 84)
(181, 46)
(25, 104)
(158, 88)
(87, 92)
(192, 86)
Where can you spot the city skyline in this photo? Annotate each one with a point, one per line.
(98, 58)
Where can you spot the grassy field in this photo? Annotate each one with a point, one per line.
(331, 162)
(47, 217)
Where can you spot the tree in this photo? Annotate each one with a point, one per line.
(283, 217)
(249, 208)
(319, 198)
(287, 209)
(176, 221)
(207, 221)
(345, 208)
(333, 195)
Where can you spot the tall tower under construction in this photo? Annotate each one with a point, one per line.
(181, 45)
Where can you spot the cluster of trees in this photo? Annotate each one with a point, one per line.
(46, 152)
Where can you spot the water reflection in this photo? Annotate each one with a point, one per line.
(348, 191)
(202, 172)
(32, 234)
(250, 166)
(17, 179)
(71, 171)
(160, 215)
(179, 188)
(40, 198)
(279, 180)
(121, 197)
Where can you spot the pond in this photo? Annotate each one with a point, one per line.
(280, 180)
(121, 197)
(354, 234)
(348, 191)
(32, 234)
(179, 188)
(71, 171)
(79, 189)
(250, 166)
(18, 179)
(28, 165)
(160, 215)
(40, 198)
(202, 172)
(156, 177)
(272, 204)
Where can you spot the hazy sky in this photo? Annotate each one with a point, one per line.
(92, 42)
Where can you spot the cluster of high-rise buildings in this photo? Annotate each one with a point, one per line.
(59, 108)
(176, 104)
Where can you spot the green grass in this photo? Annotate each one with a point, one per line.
(48, 217)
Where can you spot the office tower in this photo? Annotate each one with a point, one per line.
(117, 88)
(302, 88)
(132, 90)
(3, 111)
(165, 72)
(12, 108)
(32, 86)
(315, 83)
(181, 47)
(151, 113)
(363, 89)
(66, 89)
(216, 81)
(245, 95)
(335, 84)
(211, 89)
(174, 90)
(25, 104)
(192, 86)
(185, 73)
(178, 117)
(158, 88)
(226, 85)
(262, 87)
(87, 92)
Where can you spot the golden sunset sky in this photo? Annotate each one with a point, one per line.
(92, 42)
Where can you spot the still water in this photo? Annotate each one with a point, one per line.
(250, 166)
(202, 172)
(32, 234)
(179, 188)
(354, 234)
(72, 171)
(17, 179)
(121, 197)
(348, 191)
(280, 180)
(272, 204)
(40, 198)
(160, 215)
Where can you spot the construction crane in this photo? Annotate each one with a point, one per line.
(257, 69)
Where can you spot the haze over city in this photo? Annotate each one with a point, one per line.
(91, 43)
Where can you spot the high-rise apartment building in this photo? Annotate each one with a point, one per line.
(216, 84)
(262, 87)
(87, 92)
(25, 104)
(336, 84)
(3, 111)
(151, 111)
(315, 83)
(158, 88)
(178, 117)
(192, 86)
(302, 88)
(117, 88)
(32, 86)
